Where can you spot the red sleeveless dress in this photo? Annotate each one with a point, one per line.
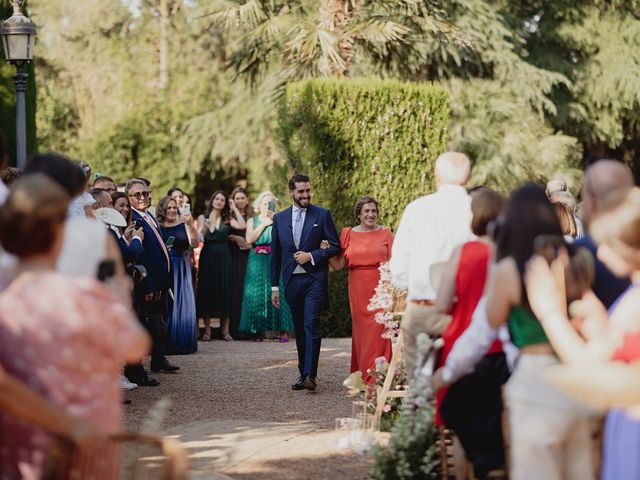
(470, 281)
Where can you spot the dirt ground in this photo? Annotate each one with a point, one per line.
(232, 407)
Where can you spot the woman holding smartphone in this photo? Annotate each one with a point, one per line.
(239, 257)
(258, 314)
(214, 276)
(180, 236)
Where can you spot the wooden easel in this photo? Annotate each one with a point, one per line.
(385, 391)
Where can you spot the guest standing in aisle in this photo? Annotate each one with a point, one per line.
(258, 313)
(239, 257)
(213, 300)
(178, 232)
(153, 305)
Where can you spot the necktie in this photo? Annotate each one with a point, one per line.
(297, 228)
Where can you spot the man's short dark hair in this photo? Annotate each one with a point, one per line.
(298, 178)
(96, 192)
(103, 179)
(145, 181)
(66, 173)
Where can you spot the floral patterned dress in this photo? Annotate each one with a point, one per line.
(67, 339)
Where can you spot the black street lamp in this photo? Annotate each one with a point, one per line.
(18, 37)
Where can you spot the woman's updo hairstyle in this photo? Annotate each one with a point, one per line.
(34, 211)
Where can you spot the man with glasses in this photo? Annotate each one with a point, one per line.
(151, 299)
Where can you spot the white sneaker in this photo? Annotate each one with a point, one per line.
(125, 384)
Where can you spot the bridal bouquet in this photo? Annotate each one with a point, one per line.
(387, 302)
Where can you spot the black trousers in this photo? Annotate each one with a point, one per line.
(153, 315)
(473, 409)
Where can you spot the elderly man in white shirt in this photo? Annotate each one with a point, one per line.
(430, 229)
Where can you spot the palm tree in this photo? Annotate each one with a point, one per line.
(307, 38)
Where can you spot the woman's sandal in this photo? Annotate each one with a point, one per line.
(227, 338)
(206, 337)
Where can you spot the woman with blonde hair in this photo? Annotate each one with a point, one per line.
(258, 313)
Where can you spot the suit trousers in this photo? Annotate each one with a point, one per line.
(420, 319)
(306, 297)
(153, 316)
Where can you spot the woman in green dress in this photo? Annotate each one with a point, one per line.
(213, 300)
(258, 314)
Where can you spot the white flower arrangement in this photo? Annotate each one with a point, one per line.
(384, 301)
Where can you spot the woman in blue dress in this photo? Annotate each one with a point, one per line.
(180, 236)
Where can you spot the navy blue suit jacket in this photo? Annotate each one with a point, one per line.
(153, 258)
(130, 251)
(606, 285)
(318, 226)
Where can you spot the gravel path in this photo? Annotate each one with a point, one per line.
(233, 408)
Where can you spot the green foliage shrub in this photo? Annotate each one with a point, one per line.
(362, 137)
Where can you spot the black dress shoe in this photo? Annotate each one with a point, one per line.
(165, 367)
(299, 385)
(309, 382)
(145, 381)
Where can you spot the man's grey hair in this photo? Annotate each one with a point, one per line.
(452, 168)
(556, 185)
(131, 183)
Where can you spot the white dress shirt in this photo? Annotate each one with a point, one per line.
(294, 212)
(431, 228)
(474, 343)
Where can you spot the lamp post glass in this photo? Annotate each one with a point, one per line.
(18, 36)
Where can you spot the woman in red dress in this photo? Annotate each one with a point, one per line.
(364, 248)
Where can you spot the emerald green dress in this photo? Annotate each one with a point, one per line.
(213, 299)
(258, 314)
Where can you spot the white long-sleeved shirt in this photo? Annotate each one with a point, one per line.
(431, 228)
(474, 343)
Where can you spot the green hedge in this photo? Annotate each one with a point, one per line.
(362, 137)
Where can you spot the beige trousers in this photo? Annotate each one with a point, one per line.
(420, 319)
(550, 433)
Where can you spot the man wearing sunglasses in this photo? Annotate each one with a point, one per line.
(151, 300)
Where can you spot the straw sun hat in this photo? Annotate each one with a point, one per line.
(110, 216)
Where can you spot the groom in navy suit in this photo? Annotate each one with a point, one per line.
(304, 266)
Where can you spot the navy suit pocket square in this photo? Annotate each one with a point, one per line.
(315, 224)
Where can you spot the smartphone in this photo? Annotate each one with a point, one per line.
(272, 206)
(138, 224)
(186, 209)
(169, 242)
(106, 270)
